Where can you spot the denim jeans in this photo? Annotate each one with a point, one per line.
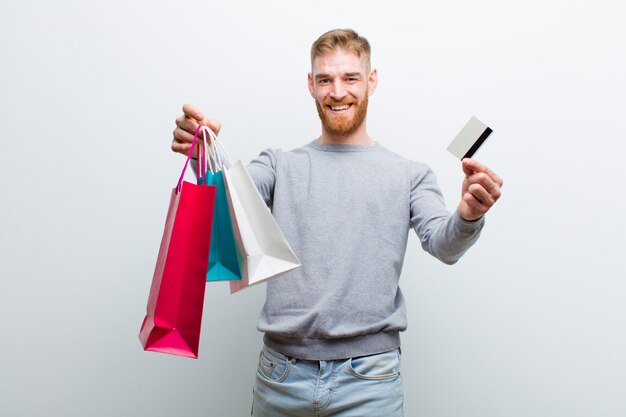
(356, 387)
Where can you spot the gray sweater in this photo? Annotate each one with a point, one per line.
(346, 211)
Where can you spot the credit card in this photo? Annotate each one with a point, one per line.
(469, 139)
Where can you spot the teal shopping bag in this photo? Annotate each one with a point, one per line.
(223, 256)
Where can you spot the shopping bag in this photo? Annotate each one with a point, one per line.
(223, 257)
(265, 252)
(174, 311)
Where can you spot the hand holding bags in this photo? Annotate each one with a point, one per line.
(174, 312)
(260, 251)
(265, 253)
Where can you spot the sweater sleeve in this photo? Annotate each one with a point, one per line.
(262, 170)
(444, 235)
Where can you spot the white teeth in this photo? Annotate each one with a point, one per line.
(339, 108)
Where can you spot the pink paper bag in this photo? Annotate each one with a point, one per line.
(174, 312)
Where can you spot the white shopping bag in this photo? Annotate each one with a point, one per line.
(265, 251)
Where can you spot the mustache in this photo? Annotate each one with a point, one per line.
(333, 102)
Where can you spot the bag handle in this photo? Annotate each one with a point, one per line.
(213, 154)
(182, 175)
(205, 160)
(220, 153)
(214, 163)
(201, 160)
(208, 164)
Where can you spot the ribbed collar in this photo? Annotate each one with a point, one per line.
(344, 148)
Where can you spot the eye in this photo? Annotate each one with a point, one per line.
(323, 81)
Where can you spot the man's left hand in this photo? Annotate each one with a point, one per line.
(480, 191)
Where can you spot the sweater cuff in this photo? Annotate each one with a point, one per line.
(468, 226)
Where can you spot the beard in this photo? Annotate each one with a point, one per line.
(342, 125)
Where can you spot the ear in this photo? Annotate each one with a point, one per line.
(311, 85)
(372, 81)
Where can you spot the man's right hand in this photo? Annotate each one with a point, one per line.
(186, 126)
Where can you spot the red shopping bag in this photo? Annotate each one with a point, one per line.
(174, 312)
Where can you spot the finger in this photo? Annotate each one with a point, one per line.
(186, 124)
(183, 136)
(214, 125)
(193, 112)
(190, 125)
(492, 187)
(181, 147)
(481, 194)
(496, 178)
(184, 145)
(474, 204)
(471, 166)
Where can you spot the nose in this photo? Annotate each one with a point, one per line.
(338, 92)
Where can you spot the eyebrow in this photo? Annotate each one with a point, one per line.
(347, 74)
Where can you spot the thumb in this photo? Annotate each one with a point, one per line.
(214, 125)
(470, 166)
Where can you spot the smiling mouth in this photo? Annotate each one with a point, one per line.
(341, 107)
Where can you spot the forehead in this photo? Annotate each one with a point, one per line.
(338, 61)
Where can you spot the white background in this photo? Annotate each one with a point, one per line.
(531, 322)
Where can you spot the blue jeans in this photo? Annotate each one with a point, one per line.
(356, 387)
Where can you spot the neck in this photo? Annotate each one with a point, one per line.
(358, 137)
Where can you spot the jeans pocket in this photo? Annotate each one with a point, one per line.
(378, 367)
(273, 366)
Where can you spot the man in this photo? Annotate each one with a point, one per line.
(346, 205)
